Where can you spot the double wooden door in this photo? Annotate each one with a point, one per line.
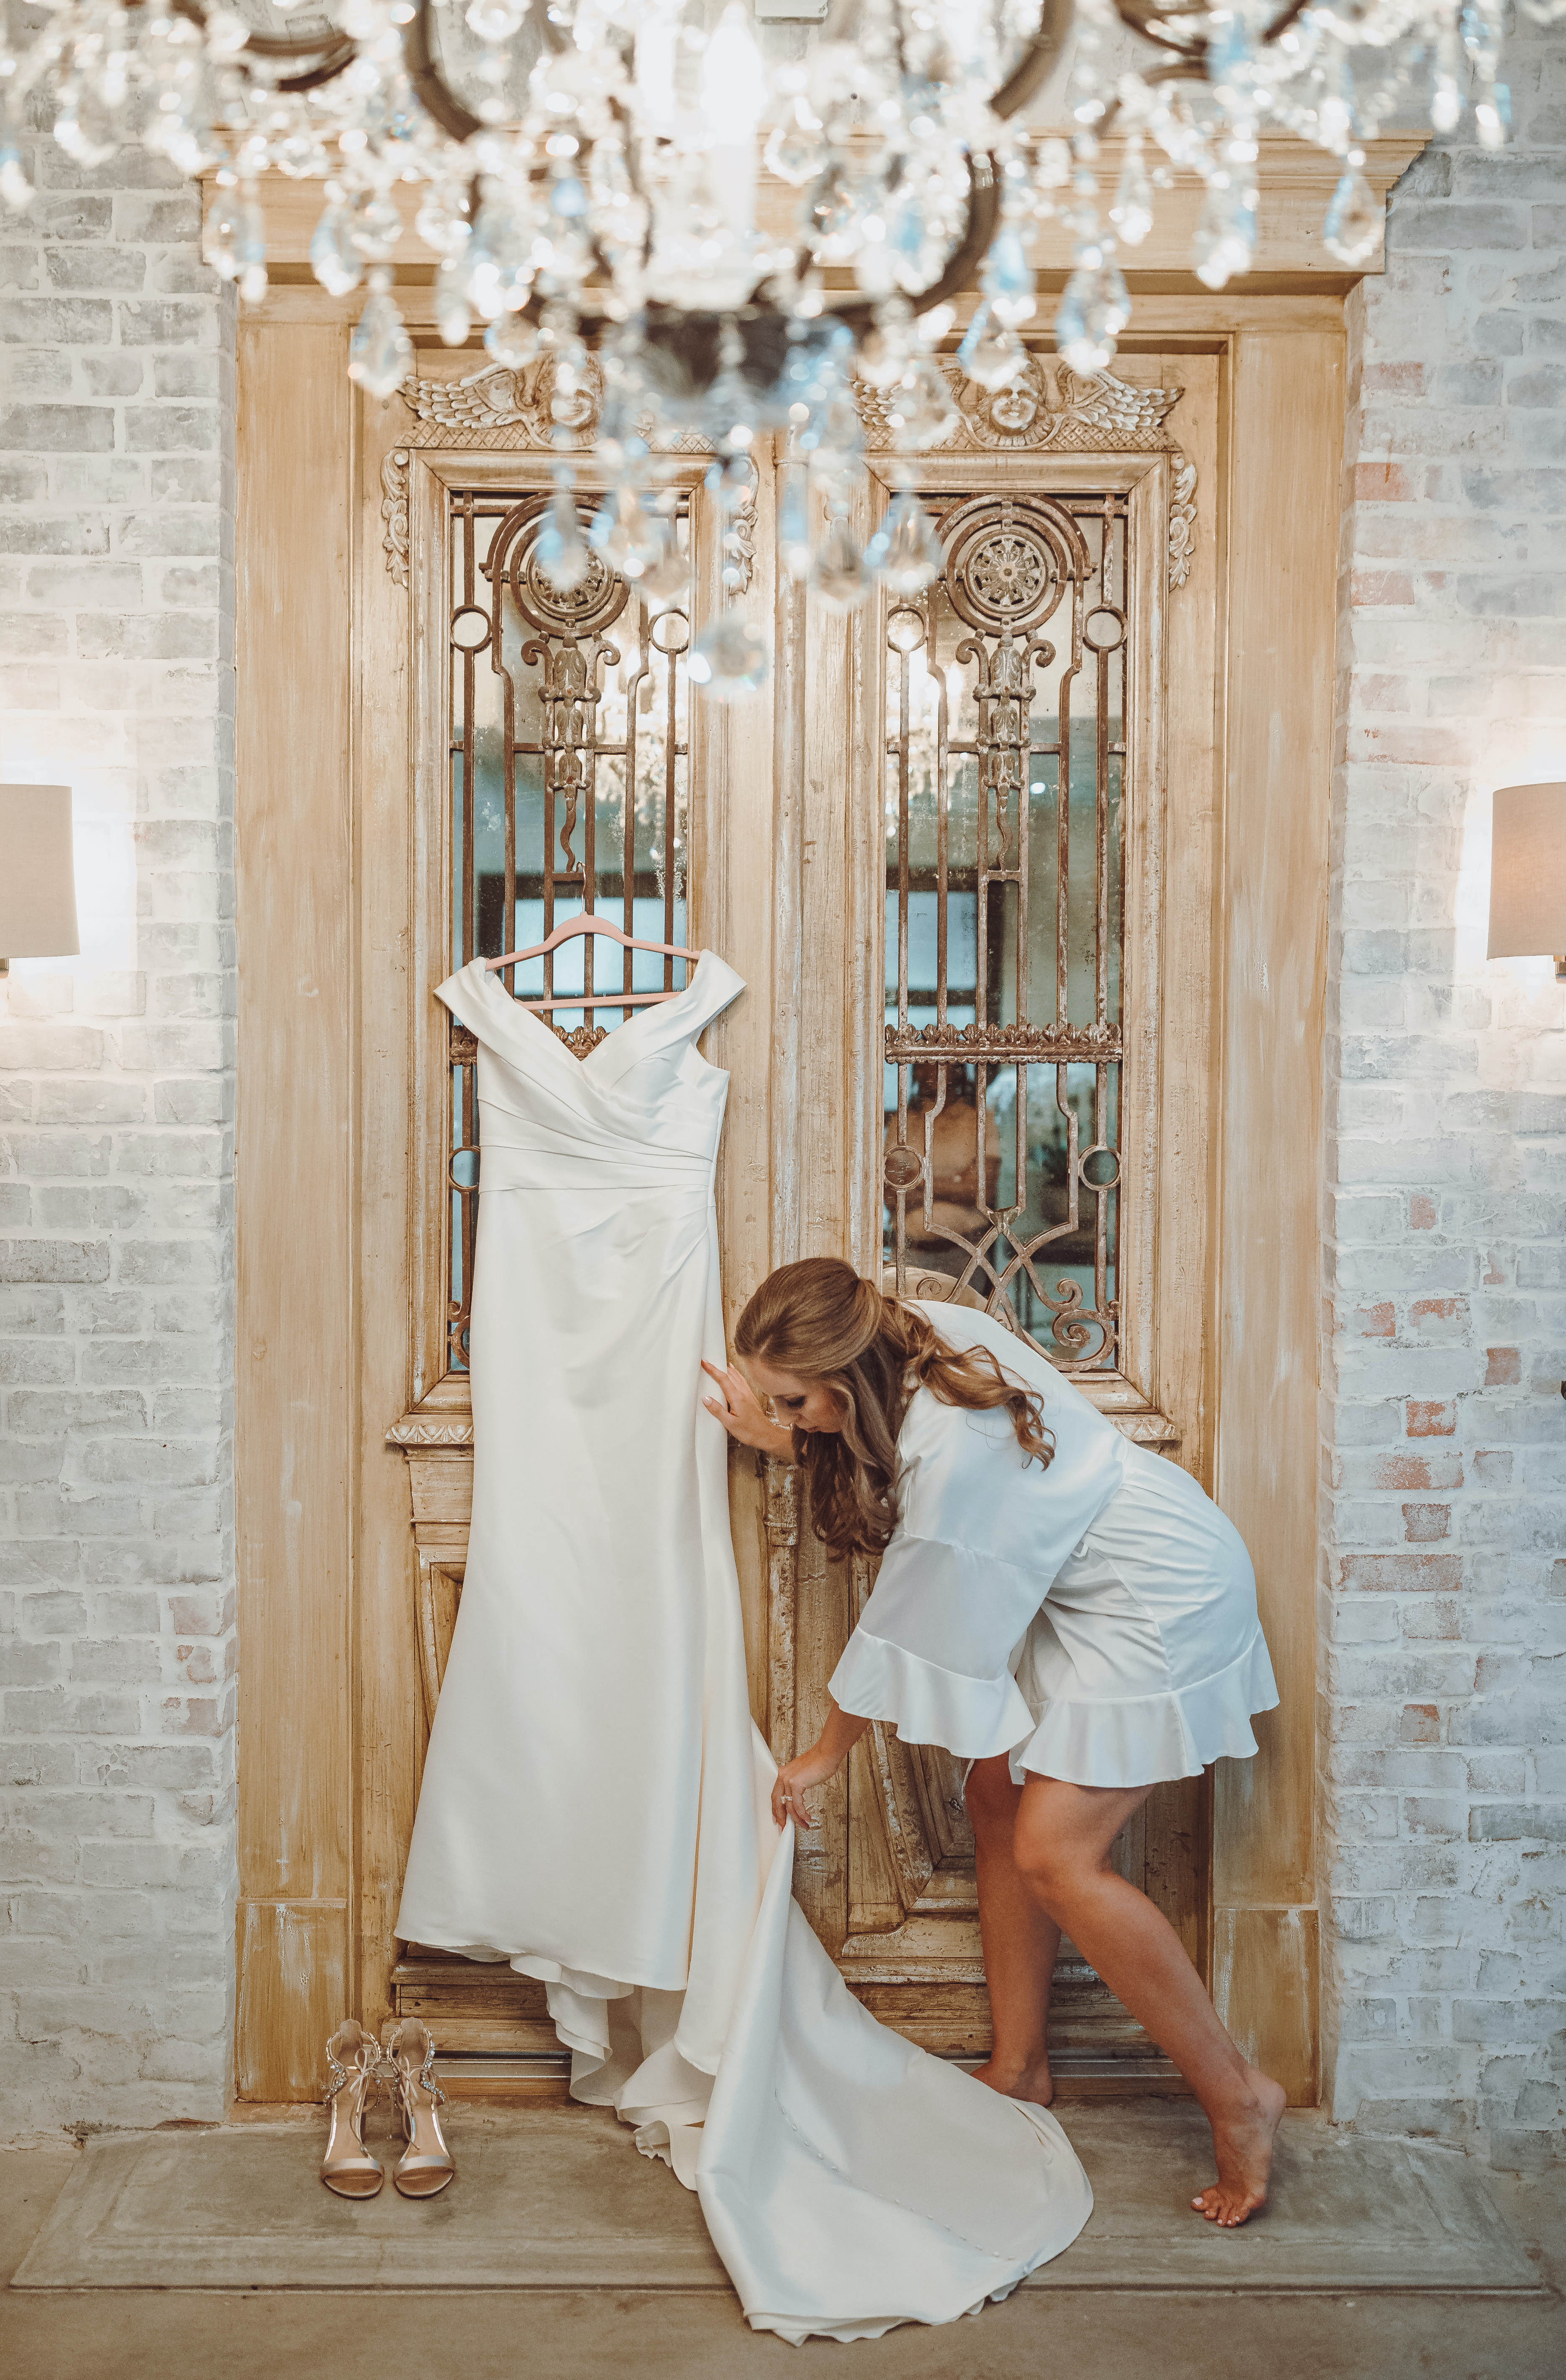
(988, 858)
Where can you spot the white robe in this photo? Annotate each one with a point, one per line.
(1094, 1619)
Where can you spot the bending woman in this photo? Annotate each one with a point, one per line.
(1056, 1605)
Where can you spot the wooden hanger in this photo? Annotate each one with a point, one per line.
(571, 930)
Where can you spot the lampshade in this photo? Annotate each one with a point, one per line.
(37, 877)
(1528, 872)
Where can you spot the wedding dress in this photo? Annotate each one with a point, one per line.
(595, 1805)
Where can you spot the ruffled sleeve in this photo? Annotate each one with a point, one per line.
(932, 1656)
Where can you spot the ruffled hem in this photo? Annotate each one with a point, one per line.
(971, 1718)
(1149, 1739)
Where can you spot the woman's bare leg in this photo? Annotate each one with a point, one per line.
(1021, 1941)
(1064, 1835)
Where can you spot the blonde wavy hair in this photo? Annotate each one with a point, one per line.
(819, 1320)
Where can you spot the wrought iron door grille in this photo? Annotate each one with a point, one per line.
(569, 754)
(1006, 686)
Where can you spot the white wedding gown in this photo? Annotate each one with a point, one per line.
(596, 1799)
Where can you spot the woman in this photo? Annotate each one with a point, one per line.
(1055, 1603)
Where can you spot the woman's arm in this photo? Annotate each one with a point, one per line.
(825, 1757)
(739, 1410)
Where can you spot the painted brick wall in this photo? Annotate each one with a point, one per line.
(1443, 1743)
(116, 1842)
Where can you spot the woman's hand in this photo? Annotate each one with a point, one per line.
(791, 1784)
(739, 1410)
(825, 1757)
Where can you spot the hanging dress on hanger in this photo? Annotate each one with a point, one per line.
(595, 1806)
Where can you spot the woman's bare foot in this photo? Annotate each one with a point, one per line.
(1032, 2082)
(1243, 2143)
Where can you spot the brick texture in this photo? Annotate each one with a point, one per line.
(116, 1559)
(1443, 1742)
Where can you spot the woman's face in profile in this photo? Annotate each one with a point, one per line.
(799, 1405)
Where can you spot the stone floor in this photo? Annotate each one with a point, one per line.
(1373, 2261)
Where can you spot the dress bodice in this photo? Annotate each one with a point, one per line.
(641, 1109)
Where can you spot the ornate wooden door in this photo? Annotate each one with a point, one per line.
(1010, 871)
(1020, 1114)
(989, 761)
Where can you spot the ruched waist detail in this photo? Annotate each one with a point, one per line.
(549, 1159)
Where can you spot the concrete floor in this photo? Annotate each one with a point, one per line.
(1114, 2334)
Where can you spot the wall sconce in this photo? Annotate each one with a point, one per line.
(37, 875)
(1528, 874)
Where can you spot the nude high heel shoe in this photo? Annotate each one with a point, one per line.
(426, 2165)
(353, 2061)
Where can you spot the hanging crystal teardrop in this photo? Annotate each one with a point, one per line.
(793, 525)
(1353, 229)
(511, 340)
(1226, 234)
(333, 257)
(992, 358)
(560, 551)
(1132, 214)
(905, 552)
(1008, 278)
(454, 316)
(1094, 309)
(839, 578)
(667, 575)
(729, 658)
(380, 353)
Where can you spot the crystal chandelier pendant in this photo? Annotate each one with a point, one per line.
(729, 658)
(598, 174)
(1226, 234)
(839, 578)
(1353, 225)
(562, 550)
(332, 256)
(667, 575)
(454, 316)
(1132, 214)
(994, 357)
(380, 353)
(905, 552)
(511, 340)
(1094, 309)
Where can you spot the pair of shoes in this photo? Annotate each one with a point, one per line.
(357, 2065)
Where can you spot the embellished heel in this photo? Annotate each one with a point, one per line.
(426, 2165)
(353, 2061)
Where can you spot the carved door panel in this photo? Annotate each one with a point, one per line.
(1026, 1113)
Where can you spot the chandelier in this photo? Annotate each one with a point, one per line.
(634, 193)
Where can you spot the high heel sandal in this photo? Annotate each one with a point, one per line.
(353, 2059)
(426, 2165)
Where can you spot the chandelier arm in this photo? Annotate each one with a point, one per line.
(1290, 16)
(435, 95)
(264, 46)
(1037, 62)
(984, 214)
(1177, 71)
(327, 71)
(550, 33)
(1138, 16)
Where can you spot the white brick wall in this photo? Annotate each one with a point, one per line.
(1444, 1510)
(116, 1843)
(1443, 1745)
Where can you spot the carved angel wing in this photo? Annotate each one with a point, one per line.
(482, 401)
(1106, 403)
